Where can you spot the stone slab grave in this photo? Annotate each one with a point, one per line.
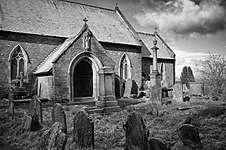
(128, 88)
(190, 136)
(136, 133)
(83, 132)
(35, 108)
(178, 92)
(58, 115)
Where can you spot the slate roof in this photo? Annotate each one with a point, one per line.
(63, 19)
(164, 51)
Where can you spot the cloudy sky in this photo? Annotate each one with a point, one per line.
(192, 28)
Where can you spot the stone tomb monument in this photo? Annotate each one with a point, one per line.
(136, 133)
(58, 115)
(178, 92)
(83, 132)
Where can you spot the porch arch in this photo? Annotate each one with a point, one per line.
(94, 63)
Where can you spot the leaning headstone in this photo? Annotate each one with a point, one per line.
(156, 144)
(128, 87)
(83, 132)
(58, 115)
(178, 92)
(190, 136)
(53, 138)
(136, 133)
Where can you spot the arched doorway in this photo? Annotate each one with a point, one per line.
(83, 79)
(83, 76)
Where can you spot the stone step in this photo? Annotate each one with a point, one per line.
(106, 103)
(112, 109)
(107, 98)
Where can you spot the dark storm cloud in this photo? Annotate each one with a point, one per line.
(183, 17)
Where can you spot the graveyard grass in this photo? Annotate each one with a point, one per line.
(109, 133)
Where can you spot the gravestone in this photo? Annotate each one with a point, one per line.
(58, 115)
(54, 138)
(36, 107)
(185, 89)
(156, 144)
(136, 133)
(224, 90)
(156, 94)
(190, 136)
(196, 89)
(35, 123)
(128, 87)
(83, 132)
(11, 99)
(178, 92)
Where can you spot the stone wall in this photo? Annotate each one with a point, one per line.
(37, 48)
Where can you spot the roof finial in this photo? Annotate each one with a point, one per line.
(85, 20)
(155, 32)
(116, 3)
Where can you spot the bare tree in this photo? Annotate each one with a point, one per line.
(212, 70)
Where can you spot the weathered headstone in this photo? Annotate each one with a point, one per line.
(11, 104)
(58, 115)
(190, 136)
(35, 123)
(83, 132)
(36, 107)
(224, 90)
(178, 92)
(53, 138)
(136, 133)
(128, 87)
(156, 94)
(185, 89)
(196, 89)
(156, 144)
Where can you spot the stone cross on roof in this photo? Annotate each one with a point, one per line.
(85, 20)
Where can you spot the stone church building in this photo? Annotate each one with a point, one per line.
(68, 50)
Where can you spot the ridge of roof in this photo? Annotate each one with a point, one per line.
(139, 32)
(69, 1)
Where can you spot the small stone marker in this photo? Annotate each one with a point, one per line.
(136, 134)
(83, 132)
(156, 144)
(190, 136)
(156, 94)
(54, 138)
(58, 115)
(36, 107)
(128, 87)
(178, 92)
(224, 90)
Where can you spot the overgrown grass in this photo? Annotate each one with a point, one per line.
(109, 133)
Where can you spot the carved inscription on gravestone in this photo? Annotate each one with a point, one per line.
(83, 132)
(58, 115)
(136, 134)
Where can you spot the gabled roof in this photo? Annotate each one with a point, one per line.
(63, 19)
(46, 66)
(164, 51)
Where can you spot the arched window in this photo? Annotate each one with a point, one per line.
(125, 66)
(18, 60)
